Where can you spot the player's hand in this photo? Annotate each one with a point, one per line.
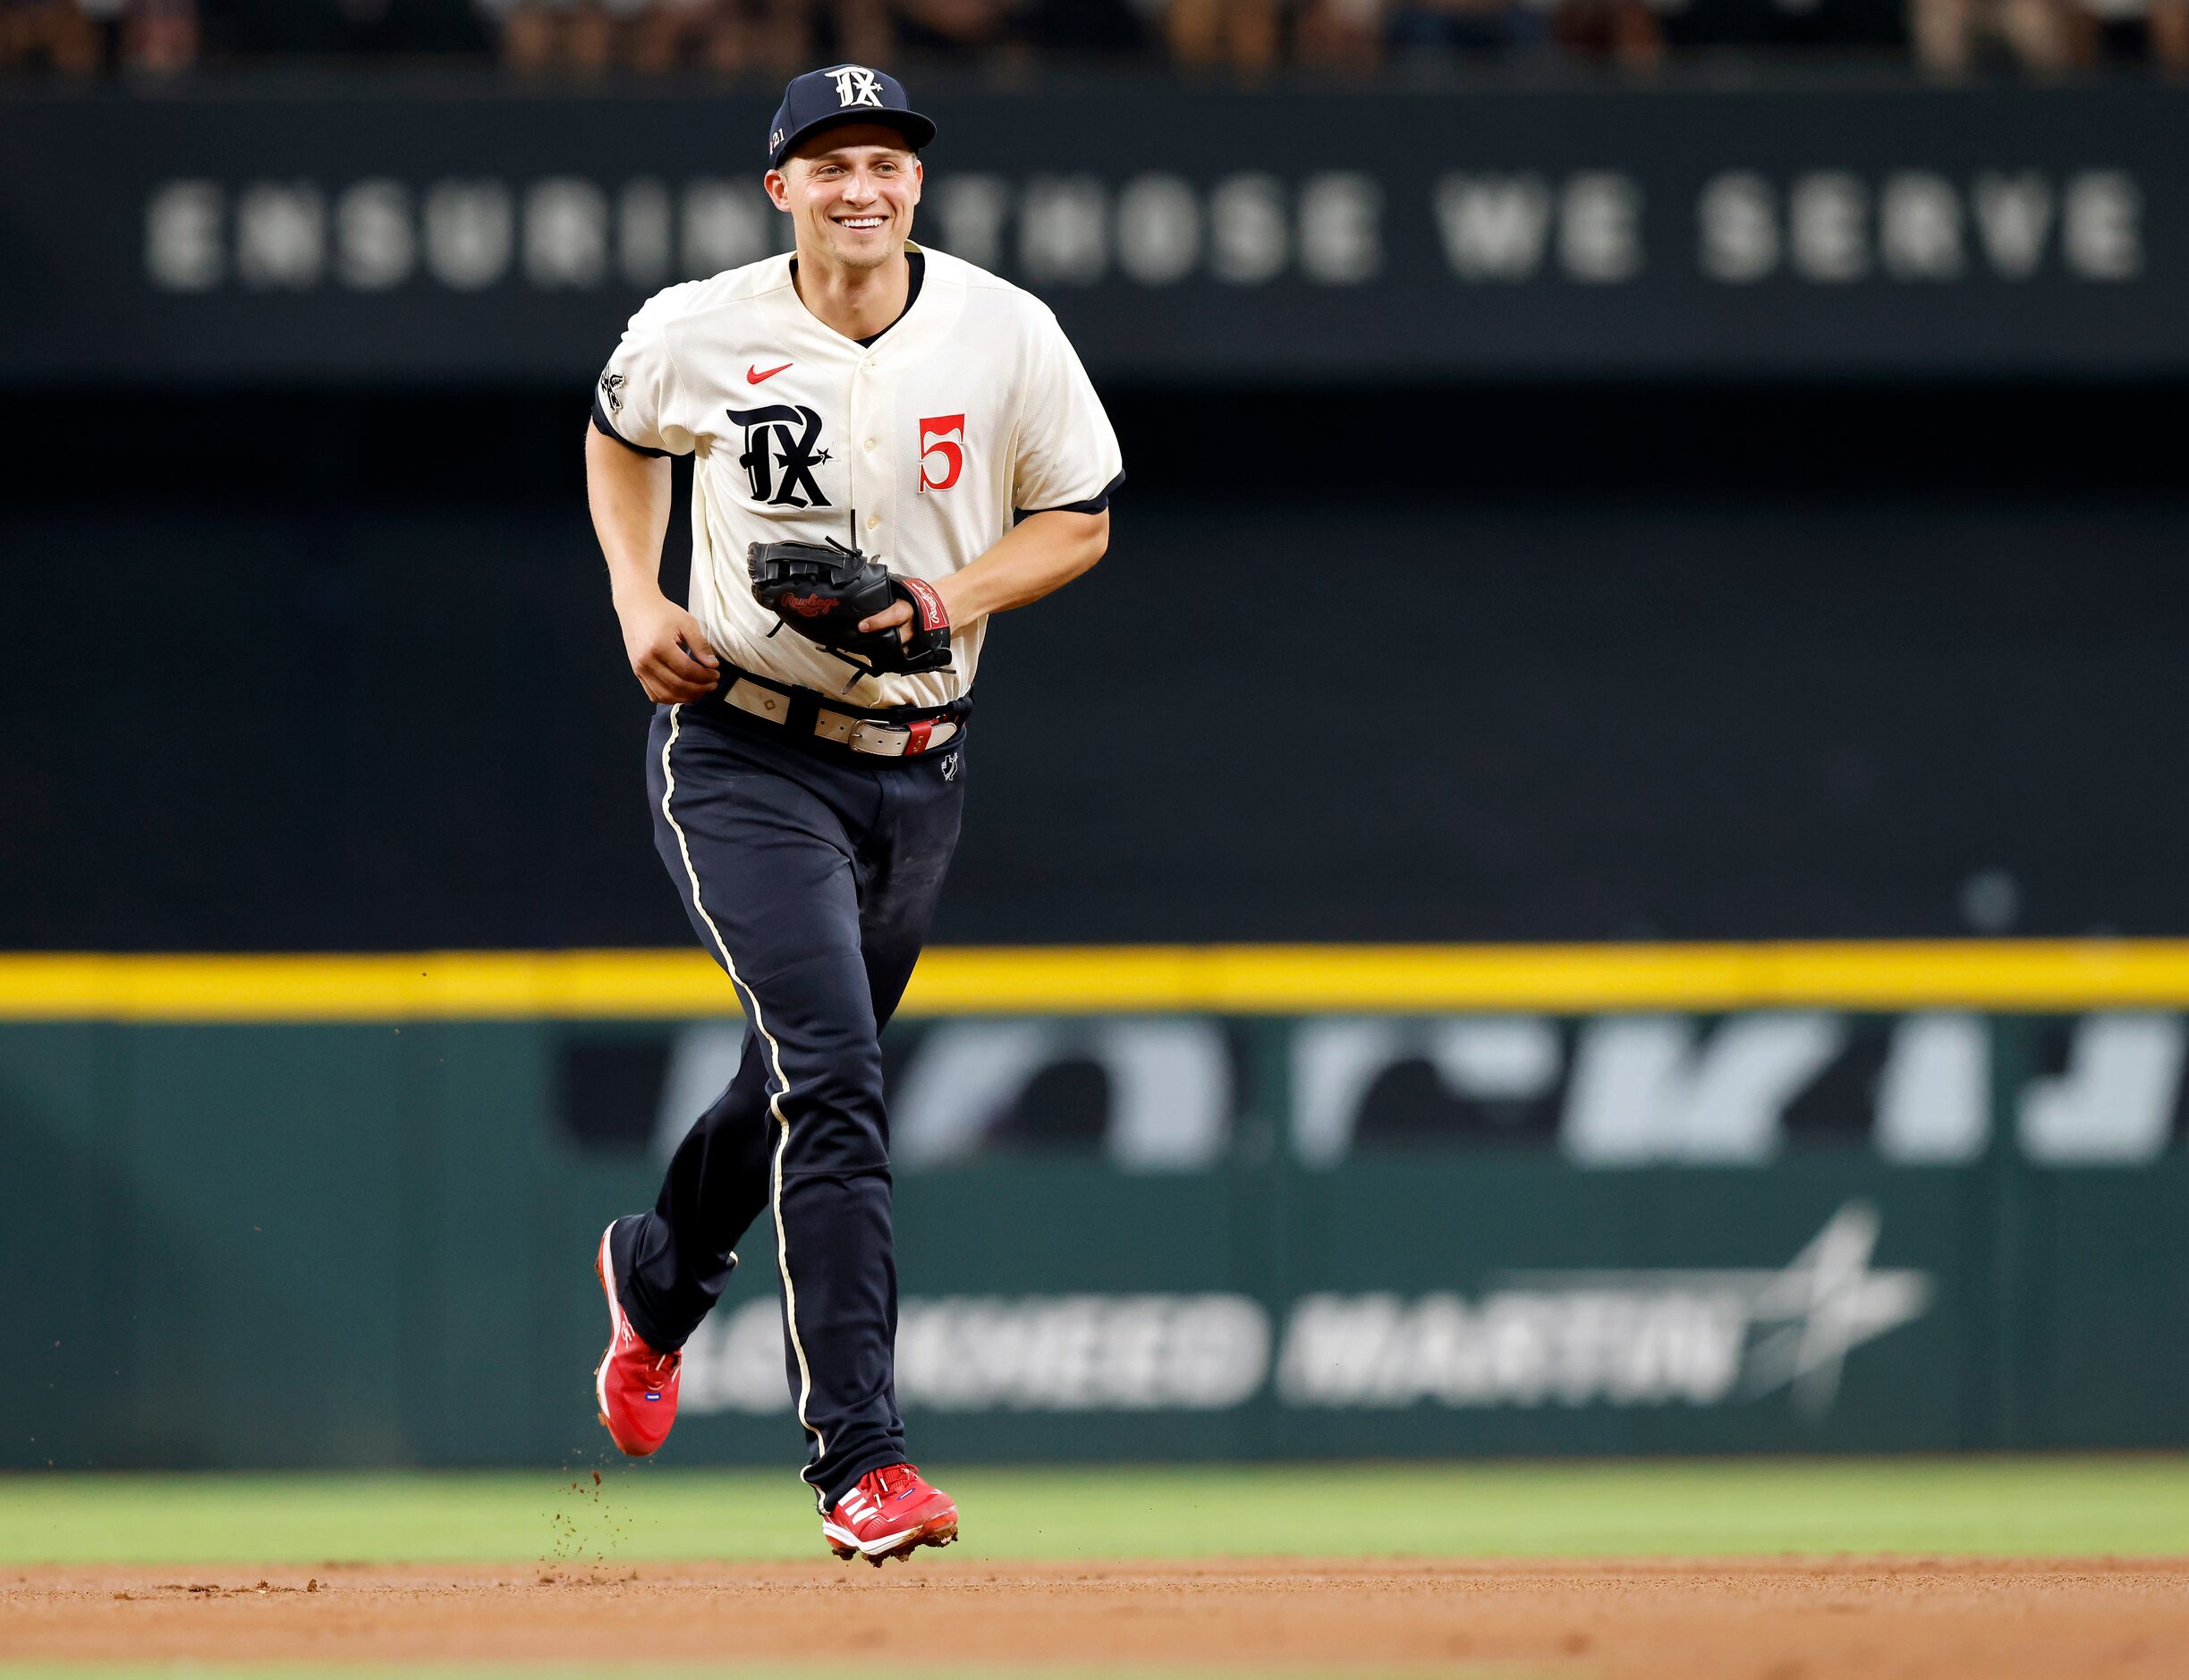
(897, 616)
(667, 649)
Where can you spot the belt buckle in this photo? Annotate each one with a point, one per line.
(882, 740)
(868, 735)
(889, 740)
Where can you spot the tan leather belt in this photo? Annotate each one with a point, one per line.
(860, 734)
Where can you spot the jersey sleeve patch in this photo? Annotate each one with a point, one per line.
(606, 428)
(639, 400)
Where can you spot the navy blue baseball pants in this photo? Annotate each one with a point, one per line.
(811, 878)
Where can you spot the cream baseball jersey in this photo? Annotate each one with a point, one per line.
(924, 446)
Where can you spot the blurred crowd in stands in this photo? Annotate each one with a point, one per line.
(767, 39)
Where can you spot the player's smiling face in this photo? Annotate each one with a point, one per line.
(849, 192)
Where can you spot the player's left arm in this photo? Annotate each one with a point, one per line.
(1042, 553)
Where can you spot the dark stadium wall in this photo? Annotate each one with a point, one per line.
(1450, 1292)
(284, 671)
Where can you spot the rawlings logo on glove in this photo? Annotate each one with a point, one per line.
(825, 590)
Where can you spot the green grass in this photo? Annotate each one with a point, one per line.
(2035, 1506)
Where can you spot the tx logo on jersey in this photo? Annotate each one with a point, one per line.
(857, 86)
(781, 453)
(612, 389)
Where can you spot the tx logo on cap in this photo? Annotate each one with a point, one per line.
(857, 86)
(830, 97)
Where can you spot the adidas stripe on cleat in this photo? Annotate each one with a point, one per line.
(891, 1514)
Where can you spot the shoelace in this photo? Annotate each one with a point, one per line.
(629, 1337)
(889, 1482)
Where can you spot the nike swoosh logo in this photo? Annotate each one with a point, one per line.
(753, 376)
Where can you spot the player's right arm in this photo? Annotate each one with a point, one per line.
(629, 495)
(639, 422)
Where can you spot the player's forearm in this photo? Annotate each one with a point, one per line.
(630, 497)
(1040, 556)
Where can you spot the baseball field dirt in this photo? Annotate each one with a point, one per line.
(1992, 1569)
(1686, 1619)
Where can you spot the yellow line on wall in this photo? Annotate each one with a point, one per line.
(1228, 979)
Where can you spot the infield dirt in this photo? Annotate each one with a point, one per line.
(1781, 1619)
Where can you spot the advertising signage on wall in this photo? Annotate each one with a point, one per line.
(1607, 1092)
(1184, 236)
(1634, 1336)
(1436, 1291)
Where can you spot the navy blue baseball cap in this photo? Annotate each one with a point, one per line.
(845, 93)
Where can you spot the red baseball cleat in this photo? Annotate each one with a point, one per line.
(636, 1385)
(889, 1514)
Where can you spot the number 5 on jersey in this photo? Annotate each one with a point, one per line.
(942, 452)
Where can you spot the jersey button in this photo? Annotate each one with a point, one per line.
(873, 520)
(869, 445)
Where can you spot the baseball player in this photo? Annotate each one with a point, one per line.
(891, 446)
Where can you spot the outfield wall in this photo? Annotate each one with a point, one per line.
(1151, 1204)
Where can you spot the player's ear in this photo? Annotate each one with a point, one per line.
(778, 186)
(920, 176)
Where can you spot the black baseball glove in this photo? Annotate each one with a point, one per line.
(822, 590)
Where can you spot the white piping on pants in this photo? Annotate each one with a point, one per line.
(775, 1102)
